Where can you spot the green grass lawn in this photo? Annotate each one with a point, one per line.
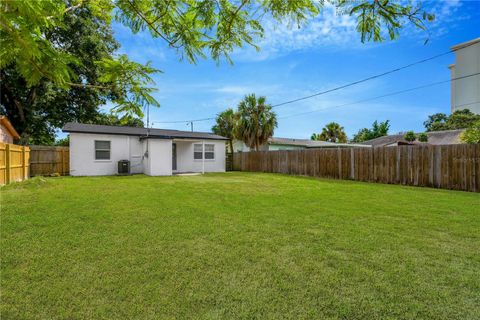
(237, 246)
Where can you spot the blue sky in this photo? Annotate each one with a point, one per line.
(298, 62)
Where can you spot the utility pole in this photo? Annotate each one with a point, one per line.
(191, 125)
(148, 119)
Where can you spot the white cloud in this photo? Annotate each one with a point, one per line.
(335, 31)
(243, 90)
(327, 30)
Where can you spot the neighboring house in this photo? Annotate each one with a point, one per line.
(465, 93)
(8, 134)
(434, 138)
(275, 143)
(96, 150)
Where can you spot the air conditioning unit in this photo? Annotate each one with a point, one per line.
(123, 167)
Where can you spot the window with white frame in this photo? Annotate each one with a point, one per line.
(209, 152)
(197, 152)
(102, 150)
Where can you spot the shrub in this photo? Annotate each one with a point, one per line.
(472, 134)
(410, 136)
(422, 137)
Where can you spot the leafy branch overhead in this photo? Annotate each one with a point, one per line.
(372, 16)
(194, 29)
(130, 82)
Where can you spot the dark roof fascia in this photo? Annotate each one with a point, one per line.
(141, 136)
(107, 133)
(179, 138)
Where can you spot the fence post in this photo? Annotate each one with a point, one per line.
(7, 163)
(24, 163)
(352, 164)
(63, 162)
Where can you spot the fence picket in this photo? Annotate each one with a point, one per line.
(449, 167)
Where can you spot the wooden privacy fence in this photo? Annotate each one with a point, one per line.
(449, 166)
(14, 163)
(48, 160)
(229, 161)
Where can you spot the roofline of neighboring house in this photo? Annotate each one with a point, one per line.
(400, 134)
(340, 145)
(465, 44)
(6, 123)
(142, 136)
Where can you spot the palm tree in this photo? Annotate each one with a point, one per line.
(332, 132)
(225, 125)
(255, 121)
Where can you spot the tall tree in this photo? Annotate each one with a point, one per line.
(436, 122)
(332, 132)
(255, 122)
(225, 125)
(459, 119)
(377, 130)
(37, 110)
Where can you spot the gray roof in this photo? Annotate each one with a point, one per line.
(307, 143)
(434, 138)
(141, 132)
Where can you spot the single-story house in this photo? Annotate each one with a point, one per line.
(97, 149)
(434, 138)
(276, 143)
(8, 134)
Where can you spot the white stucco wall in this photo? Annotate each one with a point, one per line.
(82, 154)
(240, 146)
(186, 163)
(159, 161)
(466, 92)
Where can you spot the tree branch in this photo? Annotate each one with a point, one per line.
(151, 25)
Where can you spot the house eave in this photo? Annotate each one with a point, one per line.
(142, 137)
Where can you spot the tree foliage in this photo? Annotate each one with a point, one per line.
(194, 28)
(422, 137)
(472, 133)
(332, 132)
(410, 136)
(459, 119)
(225, 125)
(112, 119)
(37, 110)
(391, 15)
(255, 121)
(377, 130)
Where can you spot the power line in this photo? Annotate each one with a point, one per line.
(185, 121)
(339, 87)
(466, 104)
(378, 97)
(360, 81)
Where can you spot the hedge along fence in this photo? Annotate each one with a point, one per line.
(48, 160)
(449, 166)
(14, 163)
